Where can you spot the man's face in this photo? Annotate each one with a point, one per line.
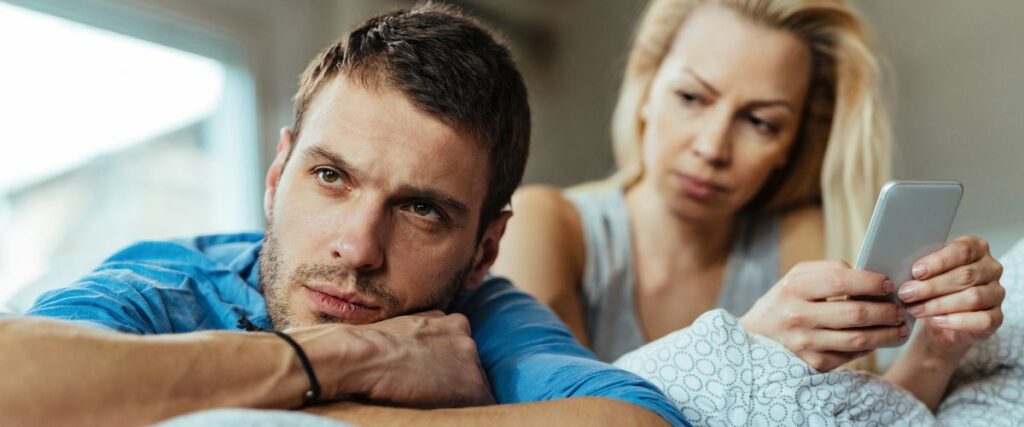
(375, 214)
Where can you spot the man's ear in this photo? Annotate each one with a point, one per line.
(284, 146)
(487, 250)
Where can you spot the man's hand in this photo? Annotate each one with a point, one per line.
(799, 313)
(425, 360)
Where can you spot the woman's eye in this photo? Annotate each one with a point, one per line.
(688, 97)
(764, 126)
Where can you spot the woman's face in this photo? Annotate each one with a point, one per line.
(722, 112)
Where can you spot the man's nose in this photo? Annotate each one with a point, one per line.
(360, 235)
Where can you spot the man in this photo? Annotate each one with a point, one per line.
(384, 206)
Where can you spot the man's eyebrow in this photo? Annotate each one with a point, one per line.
(330, 157)
(451, 203)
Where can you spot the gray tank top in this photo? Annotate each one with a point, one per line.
(609, 275)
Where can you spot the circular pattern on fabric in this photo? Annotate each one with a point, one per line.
(725, 377)
(719, 375)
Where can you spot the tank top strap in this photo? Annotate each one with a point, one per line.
(753, 266)
(608, 276)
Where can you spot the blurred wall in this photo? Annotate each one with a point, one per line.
(956, 93)
(573, 80)
(279, 38)
(956, 88)
(957, 103)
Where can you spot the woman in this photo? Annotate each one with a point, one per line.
(750, 138)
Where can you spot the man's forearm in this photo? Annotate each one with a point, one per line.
(581, 411)
(61, 373)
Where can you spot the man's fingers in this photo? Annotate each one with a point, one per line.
(459, 322)
(962, 251)
(975, 298)
(826, 283)
(853, 314)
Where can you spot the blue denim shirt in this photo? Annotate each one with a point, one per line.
(209, 282)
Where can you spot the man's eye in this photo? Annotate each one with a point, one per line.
(327, 175)
(425, 210)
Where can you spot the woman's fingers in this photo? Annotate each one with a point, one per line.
(981, 272)
(962, 251)
(819, 265)
(849, 314)
(975, 298)
(828, 360)
(847, 340)
(982, 324)
(820, 284)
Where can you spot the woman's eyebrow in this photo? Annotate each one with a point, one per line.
(701, 80)
(750, 105)
(772, 103)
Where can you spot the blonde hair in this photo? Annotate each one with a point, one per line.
(841, 155)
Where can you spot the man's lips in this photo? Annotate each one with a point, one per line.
(340, 304)
(349, 296)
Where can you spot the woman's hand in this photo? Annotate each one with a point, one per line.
(798, 313)
(956, 293)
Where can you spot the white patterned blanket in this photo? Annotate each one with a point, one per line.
(717, 374)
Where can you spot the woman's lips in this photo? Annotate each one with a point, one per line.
(344, 306)
(697, 188)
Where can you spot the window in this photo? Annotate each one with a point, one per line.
(109, 139)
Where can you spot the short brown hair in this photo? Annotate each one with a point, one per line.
(448, 65)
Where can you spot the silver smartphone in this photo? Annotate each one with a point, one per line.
(911, 219)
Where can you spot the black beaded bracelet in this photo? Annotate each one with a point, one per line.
(312, 395)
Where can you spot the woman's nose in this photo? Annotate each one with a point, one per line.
(713, 143)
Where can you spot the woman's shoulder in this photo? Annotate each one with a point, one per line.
(801, 235)
(568, 207)
(544, 228)
(544, 204)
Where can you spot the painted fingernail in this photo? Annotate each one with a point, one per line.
(904, 330)
(941, 320)
(919, 270)
(888, 286)
(907, 293)
(915, 310)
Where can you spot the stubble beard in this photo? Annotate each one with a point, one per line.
(276, 289)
